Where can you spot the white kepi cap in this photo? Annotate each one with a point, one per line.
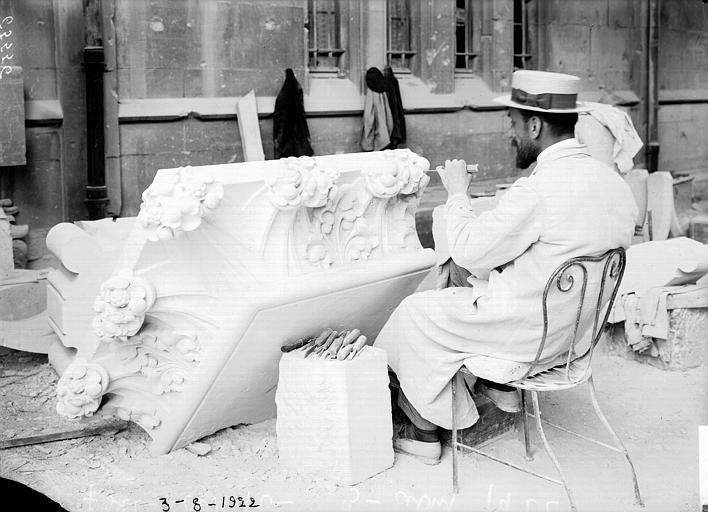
(543, 91)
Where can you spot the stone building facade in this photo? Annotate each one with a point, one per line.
(176, 68)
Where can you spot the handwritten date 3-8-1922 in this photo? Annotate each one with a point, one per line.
(196, 505)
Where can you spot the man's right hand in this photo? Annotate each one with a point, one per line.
(454, 177)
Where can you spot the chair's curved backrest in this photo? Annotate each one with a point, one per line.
(588, 284)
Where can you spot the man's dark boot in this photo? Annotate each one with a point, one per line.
(424, 445)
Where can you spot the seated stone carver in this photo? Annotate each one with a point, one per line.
(571, 205)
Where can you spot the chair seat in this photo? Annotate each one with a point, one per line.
(557, 378)
(503, 370)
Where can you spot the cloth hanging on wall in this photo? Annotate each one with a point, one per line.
(291, 136)
(398, 134)
(378, 121)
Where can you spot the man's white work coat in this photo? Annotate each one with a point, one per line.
(571, 205)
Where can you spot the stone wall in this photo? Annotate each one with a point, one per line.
(189, 50)
(683, 88)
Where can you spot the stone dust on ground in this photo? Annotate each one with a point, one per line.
(655, 412)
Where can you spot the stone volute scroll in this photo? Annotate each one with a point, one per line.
(223, 265)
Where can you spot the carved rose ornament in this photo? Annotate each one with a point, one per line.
(177, 204)
(80, 389)
(402, 173)
(121, 304)
(303, 183)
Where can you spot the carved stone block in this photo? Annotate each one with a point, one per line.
(180, 328)
(334, 417)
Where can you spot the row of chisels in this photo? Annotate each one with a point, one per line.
(330, 344)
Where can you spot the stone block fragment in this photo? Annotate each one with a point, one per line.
(334, 417)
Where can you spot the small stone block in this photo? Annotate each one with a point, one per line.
(22, 300)
(334, 417)
(686, 346)
(698, 229)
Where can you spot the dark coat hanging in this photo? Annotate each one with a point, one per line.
(378, 122)
(291, 136)
(398, 134)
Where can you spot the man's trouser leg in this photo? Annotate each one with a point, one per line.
(419, 428)
(457, 276)
(413, 414)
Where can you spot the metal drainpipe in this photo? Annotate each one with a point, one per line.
(96, 191)
(94, 66)
(652, 92)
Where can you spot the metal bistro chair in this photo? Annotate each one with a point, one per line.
(576, 368)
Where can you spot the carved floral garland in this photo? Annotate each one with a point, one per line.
(303, 183)
(177, 204)
(158, 362)
(80, 389)
(121, 304)
(341, 229)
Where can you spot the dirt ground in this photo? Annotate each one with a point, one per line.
(655, 412)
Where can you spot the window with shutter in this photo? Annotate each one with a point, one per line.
(465, 42)
(324, 40)
(523, 55)
(399, 49)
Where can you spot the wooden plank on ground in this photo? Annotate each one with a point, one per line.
(248, 127)
(84, 428)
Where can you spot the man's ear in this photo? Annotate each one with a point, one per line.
(534, 126)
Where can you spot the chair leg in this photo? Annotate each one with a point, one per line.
(453, 440)
(618, 442)
(525, 426)
(549, 451)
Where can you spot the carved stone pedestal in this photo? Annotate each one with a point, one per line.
(180, 329)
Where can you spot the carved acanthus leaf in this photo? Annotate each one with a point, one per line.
(318, 255)
(178, 204)
(172, 380)
(149, 420)
(184, 345)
